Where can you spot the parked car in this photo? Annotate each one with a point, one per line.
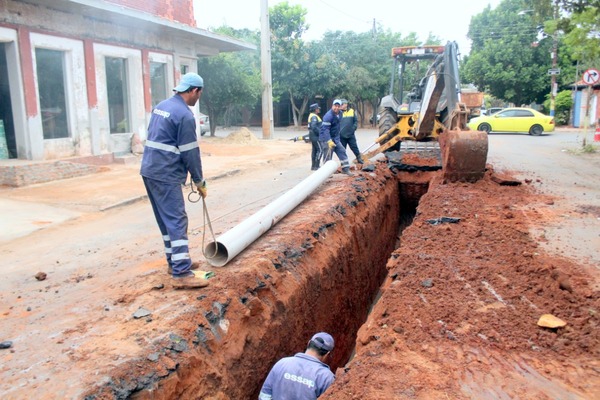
(516, 119)
(371, 119)
(494, 110)
(203, 123)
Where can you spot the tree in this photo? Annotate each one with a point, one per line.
(582, 30)
(291, 59)
(506, 59)
(232, 82)
(364, 64)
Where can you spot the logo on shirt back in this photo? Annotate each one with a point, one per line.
(164, 114)
(299, 379)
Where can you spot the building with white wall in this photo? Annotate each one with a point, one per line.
(80, 77)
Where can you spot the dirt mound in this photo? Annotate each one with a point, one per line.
(460, 307)
(241, 136)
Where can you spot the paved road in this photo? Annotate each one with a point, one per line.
(558, 167)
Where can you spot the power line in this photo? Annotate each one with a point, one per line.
(345, 13)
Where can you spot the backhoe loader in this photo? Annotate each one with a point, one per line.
(432, 112)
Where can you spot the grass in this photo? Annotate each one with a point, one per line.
(588, 148)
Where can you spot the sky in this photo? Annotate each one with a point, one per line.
(447, 19)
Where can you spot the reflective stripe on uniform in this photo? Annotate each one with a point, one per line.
(166, 238)
(180, 256)
(189, 146)
(162, 146)
(177, 243)
(172, 149)
(168, 250)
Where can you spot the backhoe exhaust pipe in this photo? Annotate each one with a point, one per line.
(235, 240)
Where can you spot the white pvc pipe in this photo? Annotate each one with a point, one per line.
(232, 242)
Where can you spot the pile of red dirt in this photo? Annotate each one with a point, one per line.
(459, 310)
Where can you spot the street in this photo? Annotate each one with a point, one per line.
(102, 265)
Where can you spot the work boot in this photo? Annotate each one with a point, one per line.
(346, 171)
(359, 160)
(195, 266)
(188, 281)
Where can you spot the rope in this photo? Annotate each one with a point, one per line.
(206, 218)
(212, 233)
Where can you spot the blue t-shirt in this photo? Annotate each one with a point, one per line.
(301, 377)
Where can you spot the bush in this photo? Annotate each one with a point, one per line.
(562, 107)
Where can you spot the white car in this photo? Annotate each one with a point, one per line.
(371, 119)
(203, 123)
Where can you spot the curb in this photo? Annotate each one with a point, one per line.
(124, 202)
(145, 196)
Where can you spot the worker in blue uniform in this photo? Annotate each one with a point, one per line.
(329, 137)
(314, 127)
(348, 126)
(305, 376)
(171, 152)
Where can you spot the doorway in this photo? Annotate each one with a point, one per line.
(8, 143)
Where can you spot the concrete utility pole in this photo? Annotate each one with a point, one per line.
(553, 85)
(265, 68)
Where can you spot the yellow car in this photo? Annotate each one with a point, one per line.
(516, 119)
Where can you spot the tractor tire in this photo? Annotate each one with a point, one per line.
(387, 120)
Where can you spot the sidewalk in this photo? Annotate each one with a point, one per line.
(26, 209)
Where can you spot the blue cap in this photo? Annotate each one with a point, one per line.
(189, 80)
(322, 340)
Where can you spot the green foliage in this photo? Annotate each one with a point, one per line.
(562, 106)
(509, 59)
(364, 62)
(232, 82)
(506, 60)
(292, 60)
(588, 148)
(582, 36)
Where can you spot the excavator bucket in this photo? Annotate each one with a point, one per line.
(464, 154)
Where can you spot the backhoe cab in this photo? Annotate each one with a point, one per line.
(432, 111)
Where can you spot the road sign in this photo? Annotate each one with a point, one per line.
(591, 76)
(554, 71)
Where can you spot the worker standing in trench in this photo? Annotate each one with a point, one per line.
(171, 152)
(305, 376)
(314, 127)
(329, 137)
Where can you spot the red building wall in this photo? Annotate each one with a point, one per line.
(174, 10)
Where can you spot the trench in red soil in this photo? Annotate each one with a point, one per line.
(320, 269)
